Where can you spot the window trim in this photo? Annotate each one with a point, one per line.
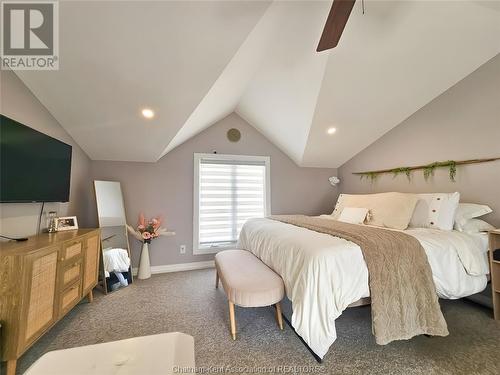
(197, 250)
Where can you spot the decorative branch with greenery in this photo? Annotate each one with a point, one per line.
(405, 170)
(428, 169)
(450, 164)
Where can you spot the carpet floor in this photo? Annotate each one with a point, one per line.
(188, 302)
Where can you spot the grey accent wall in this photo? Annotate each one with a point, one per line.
(462, 123)
(20, 219)
(166, 187)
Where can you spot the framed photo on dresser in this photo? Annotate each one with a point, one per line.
(66, 223)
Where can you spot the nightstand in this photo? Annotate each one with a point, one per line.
(494, 241)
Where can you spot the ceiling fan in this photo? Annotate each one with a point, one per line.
(335, 23)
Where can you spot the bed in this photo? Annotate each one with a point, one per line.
(324, 274)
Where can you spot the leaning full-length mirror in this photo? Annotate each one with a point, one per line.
(115, 268)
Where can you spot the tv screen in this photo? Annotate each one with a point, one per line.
(34, 166)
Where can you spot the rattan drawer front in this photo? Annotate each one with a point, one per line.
(41, 295)
(69, 298)
(71, 273)
(91, 263)
(72, 250)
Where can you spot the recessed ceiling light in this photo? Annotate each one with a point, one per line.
(331, 130)
(148, 113)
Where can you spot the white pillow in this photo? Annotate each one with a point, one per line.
(389, 210)
(476, 226)
(353, 215)
(467, 211)
(435, 211)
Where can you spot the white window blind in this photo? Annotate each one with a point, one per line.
(230, 191)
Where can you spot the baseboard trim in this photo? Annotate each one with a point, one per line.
(166, 268)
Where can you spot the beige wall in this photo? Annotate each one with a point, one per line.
(20, 219)
(166, 187)
(462, 123)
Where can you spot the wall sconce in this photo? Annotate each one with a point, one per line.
(334, 180)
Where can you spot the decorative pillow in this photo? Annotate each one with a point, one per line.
(353, 215)
(435, 211)
(476, 226)
(467, 211)
(390, 210)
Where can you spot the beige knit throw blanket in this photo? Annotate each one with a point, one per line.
(404, 301)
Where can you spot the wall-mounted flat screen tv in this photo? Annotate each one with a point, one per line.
(34, 166)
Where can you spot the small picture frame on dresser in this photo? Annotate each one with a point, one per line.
(66, 223)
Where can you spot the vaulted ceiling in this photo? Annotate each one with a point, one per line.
(196, 62)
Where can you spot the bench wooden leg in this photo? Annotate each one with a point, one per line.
(232, 319)
(216, 280)
(279, 318)
(11, 367)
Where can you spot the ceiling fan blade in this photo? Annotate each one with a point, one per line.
(335, 23)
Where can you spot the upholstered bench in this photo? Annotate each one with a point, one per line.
(165, 353)
(248, 282)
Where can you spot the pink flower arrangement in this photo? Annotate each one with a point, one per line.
(149, 229)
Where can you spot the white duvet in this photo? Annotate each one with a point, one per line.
(324, 274)
(115, 260)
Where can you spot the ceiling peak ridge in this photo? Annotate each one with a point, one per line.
(235, 76)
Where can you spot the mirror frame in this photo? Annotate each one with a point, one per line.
(102, 283)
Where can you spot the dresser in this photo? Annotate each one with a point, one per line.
(41, 280)
(494, 255)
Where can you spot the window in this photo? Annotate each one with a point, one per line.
(228, 190)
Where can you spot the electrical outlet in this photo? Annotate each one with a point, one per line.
(183, 249)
